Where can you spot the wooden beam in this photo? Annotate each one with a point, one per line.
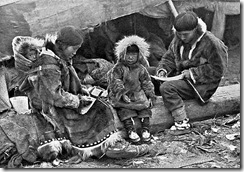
(226, 100)
(172, 8)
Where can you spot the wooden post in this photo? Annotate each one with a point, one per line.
(172, 8)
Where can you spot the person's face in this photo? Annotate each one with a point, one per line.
(186, 36)
(131, 58)
(32, 54)
(70, 51)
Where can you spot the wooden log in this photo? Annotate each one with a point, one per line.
(226, 100)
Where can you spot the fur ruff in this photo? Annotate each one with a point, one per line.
(18, 42)
(50, 151)
(51, 38)
(121, 46)
(53, 149)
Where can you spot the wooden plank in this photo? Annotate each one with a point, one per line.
(226, 100)
(4, 97)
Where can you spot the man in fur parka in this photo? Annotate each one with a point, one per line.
(199, 58)
(130, 87)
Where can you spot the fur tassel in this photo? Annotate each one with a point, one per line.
(100, 149)
(50, 151)
(66, 147)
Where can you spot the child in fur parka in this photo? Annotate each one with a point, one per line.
(130, 87)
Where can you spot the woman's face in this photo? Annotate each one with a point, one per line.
(186, 36)
(70, 51)
(131, 58)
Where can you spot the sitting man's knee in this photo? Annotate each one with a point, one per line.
(165, 87)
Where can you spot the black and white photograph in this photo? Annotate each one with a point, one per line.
(120, 84)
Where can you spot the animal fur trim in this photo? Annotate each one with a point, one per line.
(121, 46)
(51, 38)
(18, 42)
(100, 149)
(50, 151)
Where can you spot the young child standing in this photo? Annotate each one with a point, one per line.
(130, 87)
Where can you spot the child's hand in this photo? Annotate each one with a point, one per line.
(152, 101)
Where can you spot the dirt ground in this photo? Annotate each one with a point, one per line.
(213, 143)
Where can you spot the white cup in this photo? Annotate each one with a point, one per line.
(20, 104)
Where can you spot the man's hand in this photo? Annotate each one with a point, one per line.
(186, 74)
(162, 74)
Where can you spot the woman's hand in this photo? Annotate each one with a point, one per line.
(85, 91)
(85, 100)
(89, 80)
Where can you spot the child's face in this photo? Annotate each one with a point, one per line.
(32, 54)
(131, 58)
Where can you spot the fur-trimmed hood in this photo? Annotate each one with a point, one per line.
(121, 46)
(19, 45)
(19, 42)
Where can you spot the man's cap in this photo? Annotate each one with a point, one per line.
(70, 36)
(186, 21)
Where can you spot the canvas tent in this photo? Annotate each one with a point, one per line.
(32, 17)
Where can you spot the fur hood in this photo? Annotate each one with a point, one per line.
(121, 46)
(20, 44)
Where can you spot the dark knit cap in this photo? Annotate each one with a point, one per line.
(70, 36)
(186, 21)
(132, 49)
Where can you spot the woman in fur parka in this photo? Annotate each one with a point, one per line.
(130, 87)
(57, 97)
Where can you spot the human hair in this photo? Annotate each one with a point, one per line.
(186, 21)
